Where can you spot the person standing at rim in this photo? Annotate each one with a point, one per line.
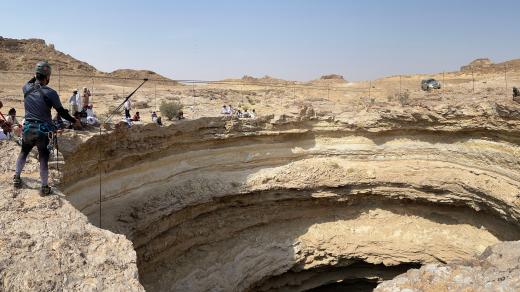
(38, 101)
(128, 108)
(85, 99)
(73, 101)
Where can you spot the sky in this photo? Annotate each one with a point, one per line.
(289, 39)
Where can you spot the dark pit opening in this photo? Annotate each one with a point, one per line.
(357, 276)
(359, 285)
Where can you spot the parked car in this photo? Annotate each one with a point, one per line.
(430, 84)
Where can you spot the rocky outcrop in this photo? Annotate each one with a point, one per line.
(477, 64)
(279, 203)
(48, 245)
(23, 54)
(485, 65)
(232, 205)
(496, 269)
(334, 77)
(137, 74)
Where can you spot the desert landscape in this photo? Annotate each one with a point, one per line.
(334, 186)
(479, 80)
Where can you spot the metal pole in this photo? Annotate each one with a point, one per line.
(59, 80)
(370, 89)
(92, 92)
(100, 178)
(122, 96)
(193, 88)
(242, 93)
(155, 93)
(505, 76)
(400, 84)
(473, 78)
(281, 100)
(443, 82)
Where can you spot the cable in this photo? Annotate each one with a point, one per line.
(99, 152)
(287, 84)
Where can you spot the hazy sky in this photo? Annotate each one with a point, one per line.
(290, 39)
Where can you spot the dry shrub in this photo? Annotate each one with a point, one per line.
(170, 109)
(403, 97)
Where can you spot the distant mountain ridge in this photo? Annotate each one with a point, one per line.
(487, 66)
(23, 54)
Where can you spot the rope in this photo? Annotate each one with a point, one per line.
(195, 81)
(99, 152)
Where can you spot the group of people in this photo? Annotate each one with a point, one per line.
(230, 111)
(156, 119)
(10, 127)
(79, 102)
(129, 119)
(81, 108)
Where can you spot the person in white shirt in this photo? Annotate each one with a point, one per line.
(78, 101)
(3, 136)
(224, 110)
(73, 101)
(128, 107)
(13, 121)
(91, 117)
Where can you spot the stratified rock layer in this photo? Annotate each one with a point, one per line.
(232, 205)
(48, 245)
(497, 269)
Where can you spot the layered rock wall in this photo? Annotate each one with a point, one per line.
(226, 204)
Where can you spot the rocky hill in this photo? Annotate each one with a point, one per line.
(327, 80)
(485, 65)
(23, 54)
(136, 74)
(332, 77)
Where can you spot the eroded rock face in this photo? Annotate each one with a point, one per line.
(497, 269)
(48, 245)
(218, 204)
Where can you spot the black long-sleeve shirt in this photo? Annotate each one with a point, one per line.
(38, 101)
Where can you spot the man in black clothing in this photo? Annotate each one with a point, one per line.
(38, 101)
(516, 92)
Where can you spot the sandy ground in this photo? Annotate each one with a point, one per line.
(201, 100)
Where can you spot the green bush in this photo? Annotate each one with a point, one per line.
(170, 109)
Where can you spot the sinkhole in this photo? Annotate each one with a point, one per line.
(294, 211)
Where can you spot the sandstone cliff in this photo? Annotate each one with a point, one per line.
(288, 203)
(47, 245)
(279, 203)
(23, 54)
(496, 269)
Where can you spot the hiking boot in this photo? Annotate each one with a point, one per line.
(17, 181)
(46, 190)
